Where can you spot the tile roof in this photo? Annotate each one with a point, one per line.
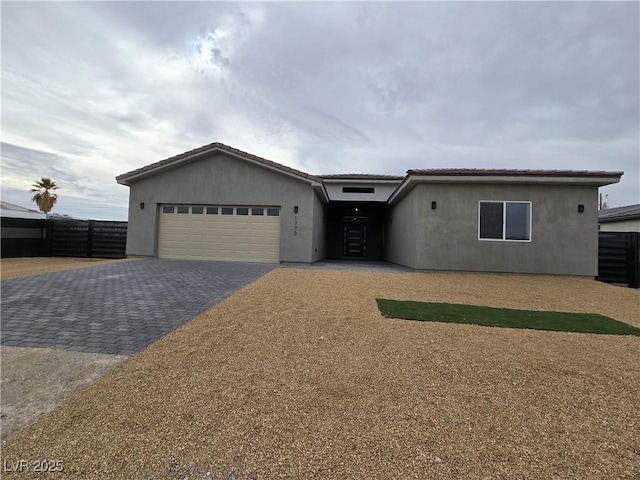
(125, 178)
(216, 146)
(627, 212)
(484, 172)
(361, 176)
(484, 175)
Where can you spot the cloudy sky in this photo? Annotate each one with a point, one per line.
(93, 90)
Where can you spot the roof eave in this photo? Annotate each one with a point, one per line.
(413, 179)
(128, 178)
(360, 180)
(321, 192)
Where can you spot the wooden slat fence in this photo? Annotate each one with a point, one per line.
(619, 258)
(88, 238)
(25, 237)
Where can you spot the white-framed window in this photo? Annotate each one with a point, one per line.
(504, 221)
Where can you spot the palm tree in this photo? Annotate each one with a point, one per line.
(44, 195)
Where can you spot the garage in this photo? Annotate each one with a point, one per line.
(217, 202)
(220, 232)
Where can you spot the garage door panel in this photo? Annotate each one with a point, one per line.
(248, 238)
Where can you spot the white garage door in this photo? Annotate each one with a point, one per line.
(206, 232)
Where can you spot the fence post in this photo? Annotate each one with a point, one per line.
(45, 238)
(633, 260)
(50, 233)
(90, 240)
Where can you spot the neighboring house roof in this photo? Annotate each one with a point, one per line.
(16, 211)
(617, 214)
(64, 216)
(170, 162)
(11, 206)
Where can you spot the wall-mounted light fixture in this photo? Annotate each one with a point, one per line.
(581, 208)
(433, 205)
(295, 209)
(141, 205)
(356, 210)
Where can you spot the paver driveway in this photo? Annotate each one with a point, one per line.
(117, 308)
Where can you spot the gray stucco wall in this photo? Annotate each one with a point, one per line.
(319, 234)
(223, 180)
(400, 228)
(563, 241)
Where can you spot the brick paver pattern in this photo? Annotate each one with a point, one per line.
(117, 308)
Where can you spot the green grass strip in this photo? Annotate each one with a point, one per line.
(504, 317)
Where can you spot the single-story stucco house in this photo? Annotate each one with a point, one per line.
(620, 219)
(220, 203)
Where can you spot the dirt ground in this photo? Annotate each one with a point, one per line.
(299, 376)
(27, 266)
(36, 380)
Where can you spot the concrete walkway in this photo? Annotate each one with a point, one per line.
(117, 308)
(352, 266)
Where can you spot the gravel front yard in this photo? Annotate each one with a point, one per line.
(299, 376)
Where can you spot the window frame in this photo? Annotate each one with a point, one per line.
(504, 221)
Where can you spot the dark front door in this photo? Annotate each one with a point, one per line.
(355, 241)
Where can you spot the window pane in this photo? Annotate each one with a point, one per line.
(183, 209)
(212, 210)
(491, 220)
(197, 210)
(227, 210)
(273, 212)
(167, 209)
(242, 211)
(257, 211)
(518, 221)
(358, 190)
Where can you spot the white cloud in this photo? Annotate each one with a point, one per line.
(91, 90)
